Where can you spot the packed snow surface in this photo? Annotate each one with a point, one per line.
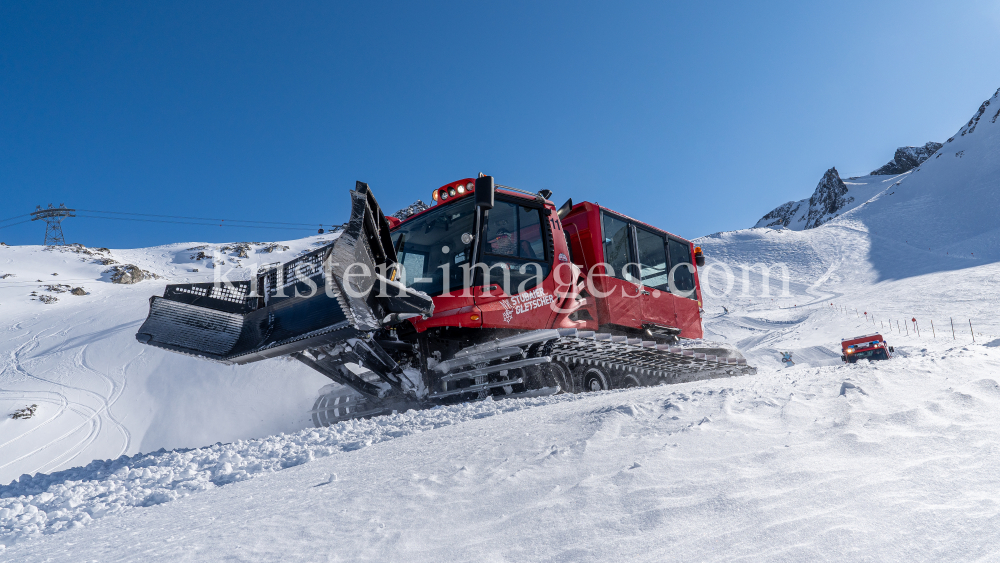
(890, 461)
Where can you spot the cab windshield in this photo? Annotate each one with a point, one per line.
(431, 250)
(875, 354)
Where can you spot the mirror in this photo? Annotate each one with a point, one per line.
(485, 188)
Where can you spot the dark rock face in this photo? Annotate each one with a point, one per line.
(412, 209)
(970, 127)
(908, 158)
(825, 203)
(829, 198)
(781, 216)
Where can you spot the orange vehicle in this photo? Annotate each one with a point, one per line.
(869, 347)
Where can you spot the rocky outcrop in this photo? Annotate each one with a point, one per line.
(826, 202)
(129, 274)
(908, 158)
(412, 209)
(272, 247)
(829, 198)
(781, 216)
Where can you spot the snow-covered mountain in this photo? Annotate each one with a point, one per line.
(946, 204)
(828, 200)
(907, 158)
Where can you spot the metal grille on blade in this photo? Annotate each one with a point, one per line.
(192, 327)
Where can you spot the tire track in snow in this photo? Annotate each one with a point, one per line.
(115, 392)
(90, 416)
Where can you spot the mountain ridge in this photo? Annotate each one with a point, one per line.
(830, 200)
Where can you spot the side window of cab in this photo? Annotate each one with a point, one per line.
(618, 248)
(515, 246)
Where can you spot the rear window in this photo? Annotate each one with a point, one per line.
(680, 253)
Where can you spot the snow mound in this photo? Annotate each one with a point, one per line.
(50, 503)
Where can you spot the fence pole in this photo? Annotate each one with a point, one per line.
(952, 321)
(904, 326)
(916, 327)
(933, 332)
(971, 331)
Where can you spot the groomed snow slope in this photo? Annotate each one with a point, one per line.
(891, 462)
(101, 394)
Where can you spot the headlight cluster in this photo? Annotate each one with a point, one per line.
(452, 191)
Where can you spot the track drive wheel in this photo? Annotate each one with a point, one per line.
(630, 381)
(595, 379)
(558, 374)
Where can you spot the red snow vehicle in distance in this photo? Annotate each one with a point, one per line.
(868, 347)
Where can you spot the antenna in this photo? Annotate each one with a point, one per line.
(53, 217)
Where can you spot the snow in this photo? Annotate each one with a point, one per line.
(50, 503)
(887, 461)
(101, 394)
(859, 190)
(893, 460)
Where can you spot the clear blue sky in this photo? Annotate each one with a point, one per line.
(694, 116)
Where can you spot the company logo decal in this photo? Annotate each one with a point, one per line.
(524, 302)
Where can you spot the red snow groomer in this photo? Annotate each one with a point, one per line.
(868, 347)
(491, 292)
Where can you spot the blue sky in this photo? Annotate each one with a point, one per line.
(693, 116)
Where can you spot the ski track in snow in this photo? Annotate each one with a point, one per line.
(92, 419)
